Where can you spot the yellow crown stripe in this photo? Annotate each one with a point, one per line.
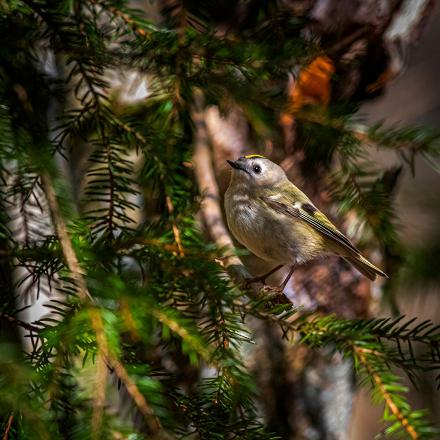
(250, 156)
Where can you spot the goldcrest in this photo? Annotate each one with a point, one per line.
(278, 223)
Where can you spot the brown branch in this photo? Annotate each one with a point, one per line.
(153, 423)
(129, 21)
(101, 374)
(175, 327)
(8, 427)
(154, 426)
(32, 328)
(210, 206)
(66, 245)
(388, 399)
(176, 231)
(348, 40)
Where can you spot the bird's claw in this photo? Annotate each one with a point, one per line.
(248, 282)
(273, 290)
(275, 295)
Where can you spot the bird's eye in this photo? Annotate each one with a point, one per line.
(257, 169)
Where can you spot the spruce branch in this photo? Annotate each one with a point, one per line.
(127, 16)
(27, 326)
(78, 276)
(69, 254)
(101, 374)
(175, 326)
(374, 345)
(387, 397)
(176, 231)
(8, 427)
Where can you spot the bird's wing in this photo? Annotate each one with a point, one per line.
(307, 212)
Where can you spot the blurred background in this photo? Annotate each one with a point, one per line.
(413, 98)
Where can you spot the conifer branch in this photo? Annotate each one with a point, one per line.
(25, 325)
(8, 427)
(361, 340)
(65, 242)
(408, 141)
(176, 230)
(186, 336)
(387, 397)
(78, 277)
(101, 374)
(153, 423)
(128, 19)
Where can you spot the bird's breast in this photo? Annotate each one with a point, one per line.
(271, 236)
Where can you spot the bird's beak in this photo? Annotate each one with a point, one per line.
(236, 165)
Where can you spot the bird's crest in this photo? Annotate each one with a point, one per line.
(250, 156)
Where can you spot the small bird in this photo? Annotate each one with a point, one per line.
(277, 222)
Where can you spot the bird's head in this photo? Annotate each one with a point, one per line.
(256, 171)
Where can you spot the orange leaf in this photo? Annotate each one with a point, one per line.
(313, 84)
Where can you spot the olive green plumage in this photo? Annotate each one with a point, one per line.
(277, 222)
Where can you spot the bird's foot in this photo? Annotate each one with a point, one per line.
(261, 278)
(273, 290)
(248, 282)
(275, 295)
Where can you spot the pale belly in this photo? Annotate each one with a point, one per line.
(276, 238)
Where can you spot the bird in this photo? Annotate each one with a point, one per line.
(278, 223)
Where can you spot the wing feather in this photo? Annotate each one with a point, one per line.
(316, 219)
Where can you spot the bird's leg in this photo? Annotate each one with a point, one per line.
(281, 287)
(262, 278)
(289, 275)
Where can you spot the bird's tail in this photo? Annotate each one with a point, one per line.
(365, 267)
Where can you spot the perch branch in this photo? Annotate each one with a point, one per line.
(210, 206)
